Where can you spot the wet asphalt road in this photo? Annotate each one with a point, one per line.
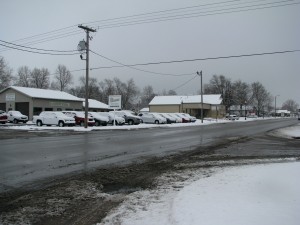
(28, 159)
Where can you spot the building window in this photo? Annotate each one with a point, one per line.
(37, 110)
(59, 109)
(48, 109)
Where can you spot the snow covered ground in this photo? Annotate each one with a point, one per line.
(260, 194)
(207, 121)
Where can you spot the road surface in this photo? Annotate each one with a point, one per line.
(28, 159)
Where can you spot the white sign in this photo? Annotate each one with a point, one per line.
(114, 101)
(10, 97)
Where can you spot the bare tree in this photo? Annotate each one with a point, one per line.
(40, 78)
(290, 105)
(94, 91)
(241, 94)
(107, 88)
(129, 92)
(219, 84)
(23, 77)
(147, 96)
(6, 77)
(63, 78)
(260, 97)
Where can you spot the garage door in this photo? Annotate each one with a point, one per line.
(3, 106)
(23, 107)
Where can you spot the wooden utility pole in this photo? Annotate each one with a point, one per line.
(201, 92)
(87, 30)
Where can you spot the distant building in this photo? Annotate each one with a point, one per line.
(283, 113)
(96, 106)
(32, 101)
(212, 106)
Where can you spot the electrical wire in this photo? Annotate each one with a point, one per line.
(146, 71)
(42, 53)
(39, 49)
(200, 59)
(121, 21)
(184, 83)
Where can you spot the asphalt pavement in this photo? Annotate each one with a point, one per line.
(28, 159)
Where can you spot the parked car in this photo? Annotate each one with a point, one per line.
(99, 120)
(152, 118)
(79, 117)
(16, 117)
(110, 115)
(53, 118)
(129, 117)
(185, 119)
(169, 118)
(177, 118)
(3, 117)
(192, 118)
(232, 117)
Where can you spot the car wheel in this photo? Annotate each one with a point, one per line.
(156, 122)
(61, 124)
(97, 123)
(15, 121)
(39, 123)
(130, 122)
(82, 123)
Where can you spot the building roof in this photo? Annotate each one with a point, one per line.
(95, 104)
(178, 99)
(44, 93)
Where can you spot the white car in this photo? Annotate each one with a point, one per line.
(152, 118)
(53, 118)
(99, 119)
(110, 115)
(16, 117)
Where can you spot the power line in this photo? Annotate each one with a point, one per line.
(160, 18)
(184, 83)
(42, 53)
(146, 71)
(200, 59)
(40, 49)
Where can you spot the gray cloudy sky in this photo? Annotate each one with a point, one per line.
(222, 33)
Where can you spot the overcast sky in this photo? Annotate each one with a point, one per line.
(221, 33)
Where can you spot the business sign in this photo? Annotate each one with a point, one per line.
(10, 97)
(114, 101)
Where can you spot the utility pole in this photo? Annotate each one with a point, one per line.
(201, 92)
(87, 48)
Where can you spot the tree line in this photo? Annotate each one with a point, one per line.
(233, 93)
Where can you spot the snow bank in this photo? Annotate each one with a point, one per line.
(289, 132)
(260, 194)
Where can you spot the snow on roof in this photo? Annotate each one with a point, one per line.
(95, 104)
(144, 110)
(282, 111)
(177, 99)
(45, 93)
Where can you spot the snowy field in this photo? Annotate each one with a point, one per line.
(260, 194)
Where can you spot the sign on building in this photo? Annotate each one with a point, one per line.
(114, 101)
(10, 97)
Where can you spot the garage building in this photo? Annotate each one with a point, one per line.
(32, 101)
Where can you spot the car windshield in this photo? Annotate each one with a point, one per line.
(59, 114)
(16, 113)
